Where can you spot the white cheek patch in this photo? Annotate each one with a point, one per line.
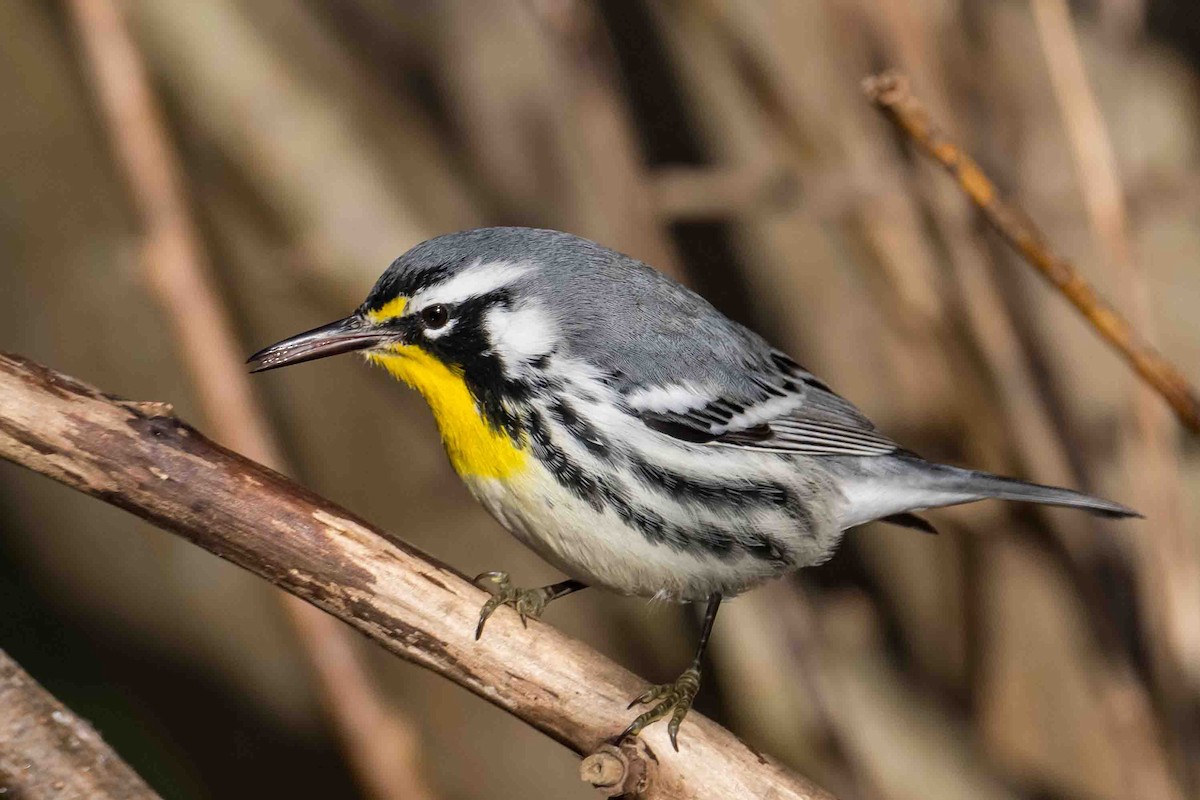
(474, 281)
(521, 334)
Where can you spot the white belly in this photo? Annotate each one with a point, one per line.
(598, 548)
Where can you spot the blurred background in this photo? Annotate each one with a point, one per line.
(1023, 653)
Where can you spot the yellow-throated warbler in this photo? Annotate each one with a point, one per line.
(627, 431)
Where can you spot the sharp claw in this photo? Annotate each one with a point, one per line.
(636, 726)
(479, 627)
(676, 700)
(644, 697)
(673, 726)
(484, 613)
(526, 602)
(495, 576)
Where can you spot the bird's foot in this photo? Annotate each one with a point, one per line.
(669, 698)
(527, 602)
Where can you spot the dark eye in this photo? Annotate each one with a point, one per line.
(435, 316)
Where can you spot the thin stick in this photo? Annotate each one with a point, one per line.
(140, 458)
(48, 752)
(379, 744)
(1169, 559)
(890, 92)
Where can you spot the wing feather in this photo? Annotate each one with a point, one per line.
(787, 410)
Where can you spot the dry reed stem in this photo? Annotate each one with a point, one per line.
(891, 93)
(48, 752)
(139, 458)
(379, 745)
(615, 194)
(325, 174)
(1128, 708)
(1170, 582)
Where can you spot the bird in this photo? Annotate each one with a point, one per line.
(631, 434)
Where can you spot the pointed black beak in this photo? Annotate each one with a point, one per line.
(344, 336)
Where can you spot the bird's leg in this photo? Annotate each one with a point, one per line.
(675, 698)
(527, 602)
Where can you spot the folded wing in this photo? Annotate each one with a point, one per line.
(785, 409)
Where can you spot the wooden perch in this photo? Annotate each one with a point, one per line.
(377, 740)
(46, 751)
(139, 457)
(890, 92)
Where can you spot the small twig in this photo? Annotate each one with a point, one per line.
(1169, 558)
(168, 473)
(1091, 146)
(48, 752)
(620, 770)
(890, 92)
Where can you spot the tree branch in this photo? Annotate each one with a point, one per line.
(139, 457)
(890, 92)
(378, 741)
(47, 751)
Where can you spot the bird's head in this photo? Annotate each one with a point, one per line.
(468, 303)
(466, 320)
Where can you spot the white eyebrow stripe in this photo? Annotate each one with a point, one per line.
(474, 281)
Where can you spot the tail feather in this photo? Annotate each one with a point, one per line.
(884, 487)
(912, 522)
(997, 486)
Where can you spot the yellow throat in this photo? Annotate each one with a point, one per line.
(474, 446)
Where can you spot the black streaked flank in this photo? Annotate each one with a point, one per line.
(582, 430)
(566, 472)
(651, 524)
(714, 495)
(600, 493)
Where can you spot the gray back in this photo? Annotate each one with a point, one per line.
(614, 311)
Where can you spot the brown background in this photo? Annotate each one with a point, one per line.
(1021, 654)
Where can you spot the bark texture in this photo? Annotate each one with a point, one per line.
(47, 751)
(140, 457)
